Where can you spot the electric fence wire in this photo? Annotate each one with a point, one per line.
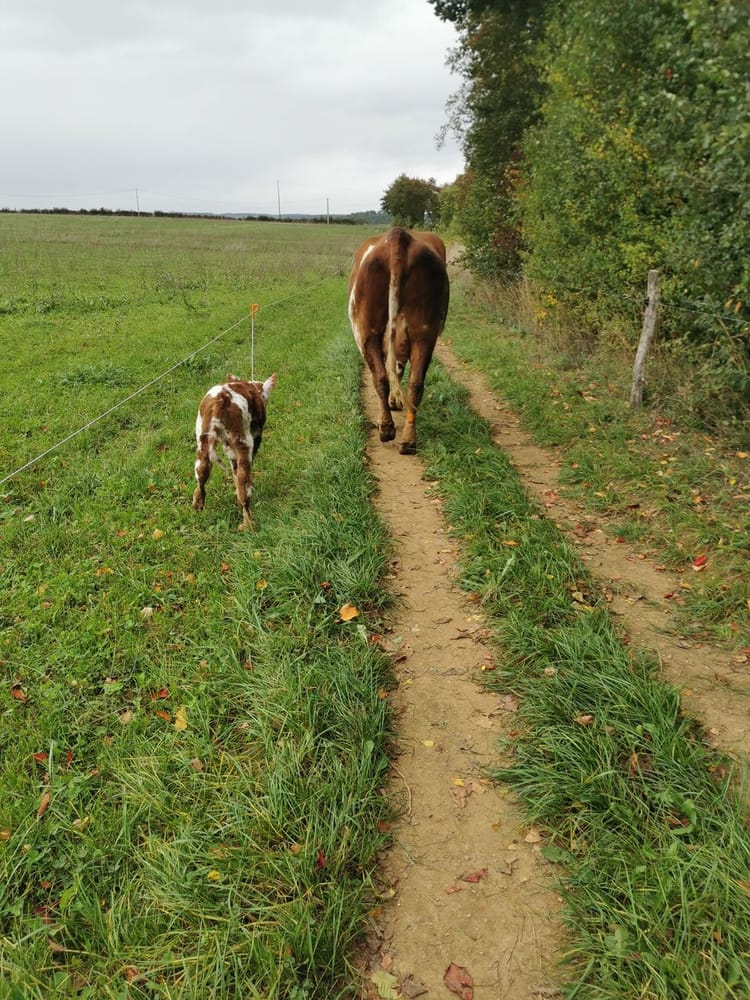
(158, 378)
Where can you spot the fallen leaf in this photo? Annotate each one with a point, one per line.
(476, 876)
(125, 717)
(585, 719)
(347, 612)
(386, 985)
(261, 584)
(699, 563)
(18, 693)
(43, 805)
(458, 981)
(197, 764)
(427, 743)
(533, 836)
(157, 534)
(411, 988)
(160, 694)
(180, 719)
(163, 714)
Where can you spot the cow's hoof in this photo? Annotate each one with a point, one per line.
(407, 448)
(395, 403)
(387, 432)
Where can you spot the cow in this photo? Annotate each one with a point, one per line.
(398, 301)
(233, 413)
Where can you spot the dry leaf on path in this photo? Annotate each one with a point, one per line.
(458, 981)
(476, 876)
(180, 719)
(347, 612)
(386, 984)
(412, 987)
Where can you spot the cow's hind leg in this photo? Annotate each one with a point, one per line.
(417, 371)
(374, 359)
(202, 472)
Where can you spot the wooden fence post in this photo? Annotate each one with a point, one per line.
(647, 335)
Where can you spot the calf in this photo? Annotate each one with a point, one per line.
(398, 301)
(233, 413)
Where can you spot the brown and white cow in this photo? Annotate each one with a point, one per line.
(233, 413)
(398, 301)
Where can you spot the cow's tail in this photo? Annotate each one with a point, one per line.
(399, 246)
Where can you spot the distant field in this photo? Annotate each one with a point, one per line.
(193, 741)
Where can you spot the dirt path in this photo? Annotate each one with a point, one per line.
(468, 884)
(468, 887)
(715, 684)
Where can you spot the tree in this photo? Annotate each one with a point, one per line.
(489, 115)
(412, 201)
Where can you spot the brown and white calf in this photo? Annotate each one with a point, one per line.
(233, 413)
(398, 301)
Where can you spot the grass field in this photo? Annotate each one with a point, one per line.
(194, 741)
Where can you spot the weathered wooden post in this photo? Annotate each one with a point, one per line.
(647, 335)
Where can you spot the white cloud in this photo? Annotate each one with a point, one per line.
(217, 106)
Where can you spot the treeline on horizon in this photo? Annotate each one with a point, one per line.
(352, 219)
(603, 139)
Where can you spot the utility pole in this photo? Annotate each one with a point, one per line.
(278, 198)
(328, 212)
(137, 203)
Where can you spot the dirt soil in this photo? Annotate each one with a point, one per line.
(468, 907)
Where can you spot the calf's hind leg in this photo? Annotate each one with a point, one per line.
(243, 482)
(202, 472)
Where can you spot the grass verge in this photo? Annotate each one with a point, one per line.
(643, 820)
(673, 492)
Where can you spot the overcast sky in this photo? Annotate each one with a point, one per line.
(220, 105)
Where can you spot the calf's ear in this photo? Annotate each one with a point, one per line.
(268, 385)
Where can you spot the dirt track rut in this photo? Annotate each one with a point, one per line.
(469, 885)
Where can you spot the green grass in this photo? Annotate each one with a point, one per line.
(211, 736)
(194, 744)
(643, 821)
(671, 491)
